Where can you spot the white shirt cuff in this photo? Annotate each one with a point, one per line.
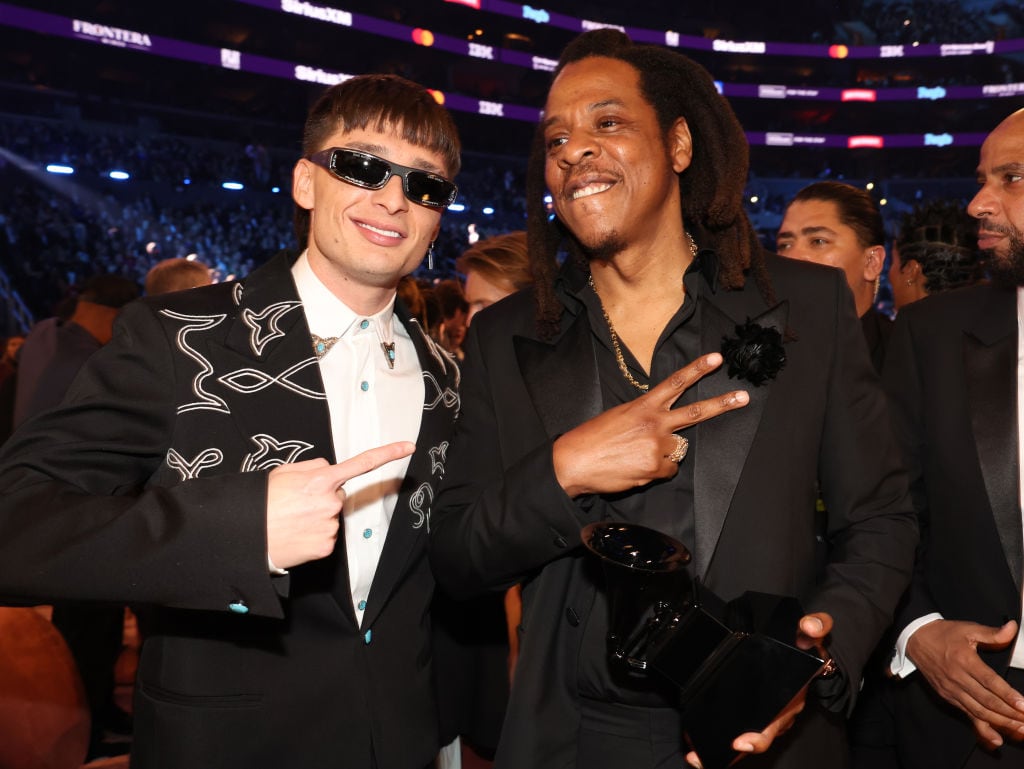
(273, 569)
(901, 666)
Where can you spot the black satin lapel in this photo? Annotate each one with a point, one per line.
(562, 377)
(410, 520)
(724, 442)
(992, 394)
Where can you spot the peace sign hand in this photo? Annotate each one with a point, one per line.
(635, 443)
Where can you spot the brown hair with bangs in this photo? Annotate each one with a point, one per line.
(384, 103)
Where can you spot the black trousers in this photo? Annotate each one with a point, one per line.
(614, 736)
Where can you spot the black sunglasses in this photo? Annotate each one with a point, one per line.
(371, 172)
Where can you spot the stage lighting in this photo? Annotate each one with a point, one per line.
(120, 176)
(232, 185)
(60, 168)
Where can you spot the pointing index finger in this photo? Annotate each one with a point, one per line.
(371, 459)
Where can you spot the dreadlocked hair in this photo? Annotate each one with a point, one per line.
(711, 188)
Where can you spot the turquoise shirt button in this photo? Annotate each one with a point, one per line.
(367, 533)
(364, 324)
(368, 637)
(362, 605)
(364, 386)
(239, 607)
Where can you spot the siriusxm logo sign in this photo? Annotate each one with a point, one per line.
(938, 92)
(771, 92)
(538, 15)
(937, 140)
(230, 59)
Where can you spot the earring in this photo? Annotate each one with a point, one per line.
(430, 256)
(910, 282)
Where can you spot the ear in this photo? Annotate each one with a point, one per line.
(302, 184)
(911, 269)
(874, 258)
(680, 145)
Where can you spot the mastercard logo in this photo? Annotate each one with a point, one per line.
(438, 95)
(838, 51)
(423, 37)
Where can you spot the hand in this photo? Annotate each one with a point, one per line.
(811, 633)
(945, 653)
(628, 445)
(304, 502)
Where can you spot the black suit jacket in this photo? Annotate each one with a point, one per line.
(502, 516)
(951, 374)
(148, 486)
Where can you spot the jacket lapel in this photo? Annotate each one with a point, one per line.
(561, 376)
(410, 521)
(990, 365)
(723, 444)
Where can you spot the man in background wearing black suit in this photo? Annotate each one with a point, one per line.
(955, 375)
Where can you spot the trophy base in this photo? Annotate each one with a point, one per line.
(736, 677)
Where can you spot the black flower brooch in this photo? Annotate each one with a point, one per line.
(756, 353)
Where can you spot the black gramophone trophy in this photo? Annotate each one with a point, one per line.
(734, 663)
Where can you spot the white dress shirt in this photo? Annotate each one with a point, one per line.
(370, 405)
(901, 665)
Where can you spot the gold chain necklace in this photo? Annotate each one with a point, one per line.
(616, 348)
(615, 343)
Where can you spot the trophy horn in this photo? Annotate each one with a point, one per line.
(644, 571)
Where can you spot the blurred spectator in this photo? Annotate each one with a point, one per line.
(448, 324)
(8, 383)
(840, 225)
(409, 292)
(9, 355)
(934, 252)
(55, 349)
(176, 274)
(50, 358)
(494, 268)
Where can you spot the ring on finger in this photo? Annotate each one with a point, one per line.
(679, 452)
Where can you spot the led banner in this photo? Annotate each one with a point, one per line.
(226, 58)
(767, 48)
(431, 39)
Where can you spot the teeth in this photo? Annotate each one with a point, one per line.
(590, 189)
(379, 231)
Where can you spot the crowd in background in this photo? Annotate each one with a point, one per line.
(56, 231)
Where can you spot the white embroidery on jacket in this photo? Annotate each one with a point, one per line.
(272, 452)
(205, 400)
(436, 395)
(438, 455)
(189, 469)
(419, 503)
(252, 380)
(264, 324)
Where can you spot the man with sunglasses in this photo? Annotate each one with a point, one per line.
(253, 465)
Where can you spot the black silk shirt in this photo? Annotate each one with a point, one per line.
(665, 505)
